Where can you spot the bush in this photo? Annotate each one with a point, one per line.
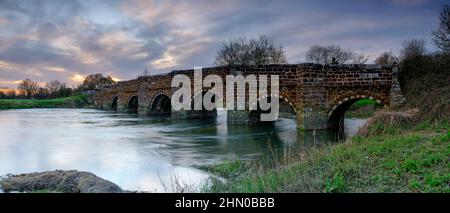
(425, 84)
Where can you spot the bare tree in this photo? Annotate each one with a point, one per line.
(42, 93)
(244, 51)
(11, 94)
(386, 58)
(412, 48)
(329, 54)
(96, 81)
(2, 94)
(442, 34)
(145, 73)
(360, 59)
(28, 87)
(53, 87)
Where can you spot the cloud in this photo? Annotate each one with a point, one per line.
(6, 66)
(77, 78)
(56, 40)
(55, 69)
(409, 2)
(4, 21)
(8, 82)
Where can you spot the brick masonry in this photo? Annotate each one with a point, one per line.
(317, 95)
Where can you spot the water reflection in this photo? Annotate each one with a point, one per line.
(134, 152)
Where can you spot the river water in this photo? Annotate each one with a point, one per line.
(140, 153)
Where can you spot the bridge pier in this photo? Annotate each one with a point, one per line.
(314, 118)
(238, 117)
(192, 114)
(106, 106)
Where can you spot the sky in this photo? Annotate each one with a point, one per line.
(48, 40)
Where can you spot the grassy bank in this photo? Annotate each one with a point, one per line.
(69, 102)
(406, 150)
(364, 108)
(406, 160)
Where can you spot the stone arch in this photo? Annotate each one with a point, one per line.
(204, 112)
(133, 104)
(286, 108)
(114, 102)
(160, 104)
(337, 112)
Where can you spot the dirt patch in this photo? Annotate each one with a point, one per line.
(58, 181)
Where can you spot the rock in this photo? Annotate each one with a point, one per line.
(58, 181)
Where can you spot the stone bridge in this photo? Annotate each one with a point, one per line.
(316, 96)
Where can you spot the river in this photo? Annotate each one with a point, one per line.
(140, 153)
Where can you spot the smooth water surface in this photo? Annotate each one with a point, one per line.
(139, 153)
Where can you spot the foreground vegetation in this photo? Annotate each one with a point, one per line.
(398, 150)
(405, 160)
(77, 101)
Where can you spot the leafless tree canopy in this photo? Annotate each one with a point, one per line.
(53, 86)
(325, 54)
(414, 47)
(360, 59)
(244, 51)
(96, 81)
(442, 34)
(57, 89)
(28, 87)
(386, 58)
(145, 73)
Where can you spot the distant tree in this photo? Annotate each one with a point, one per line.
(244, 51)
(2, 94)
(386, 58)
(442, 34)
(96, 81)
(413, 48)
(57, 89)
(146, 72)
(28, 87)
(64, 91)
(53, 88)
(360, 59)
(329, 54)
(11, 94)
(42, 93)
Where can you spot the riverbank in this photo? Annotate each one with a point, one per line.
(398, 150)
(402, 160)
(364, 108)
(78, 101)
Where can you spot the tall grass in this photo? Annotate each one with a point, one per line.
(413, 161)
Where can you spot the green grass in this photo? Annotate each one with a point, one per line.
(360, 114)
(357, 109)
(69, 102)
(364, 102)
(415, 160)
(228, 169)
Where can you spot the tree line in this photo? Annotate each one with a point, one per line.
(29, 89)
(262, 50)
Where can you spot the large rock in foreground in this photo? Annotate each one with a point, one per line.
(58, 181)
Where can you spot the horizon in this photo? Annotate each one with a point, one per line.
(66, 41)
